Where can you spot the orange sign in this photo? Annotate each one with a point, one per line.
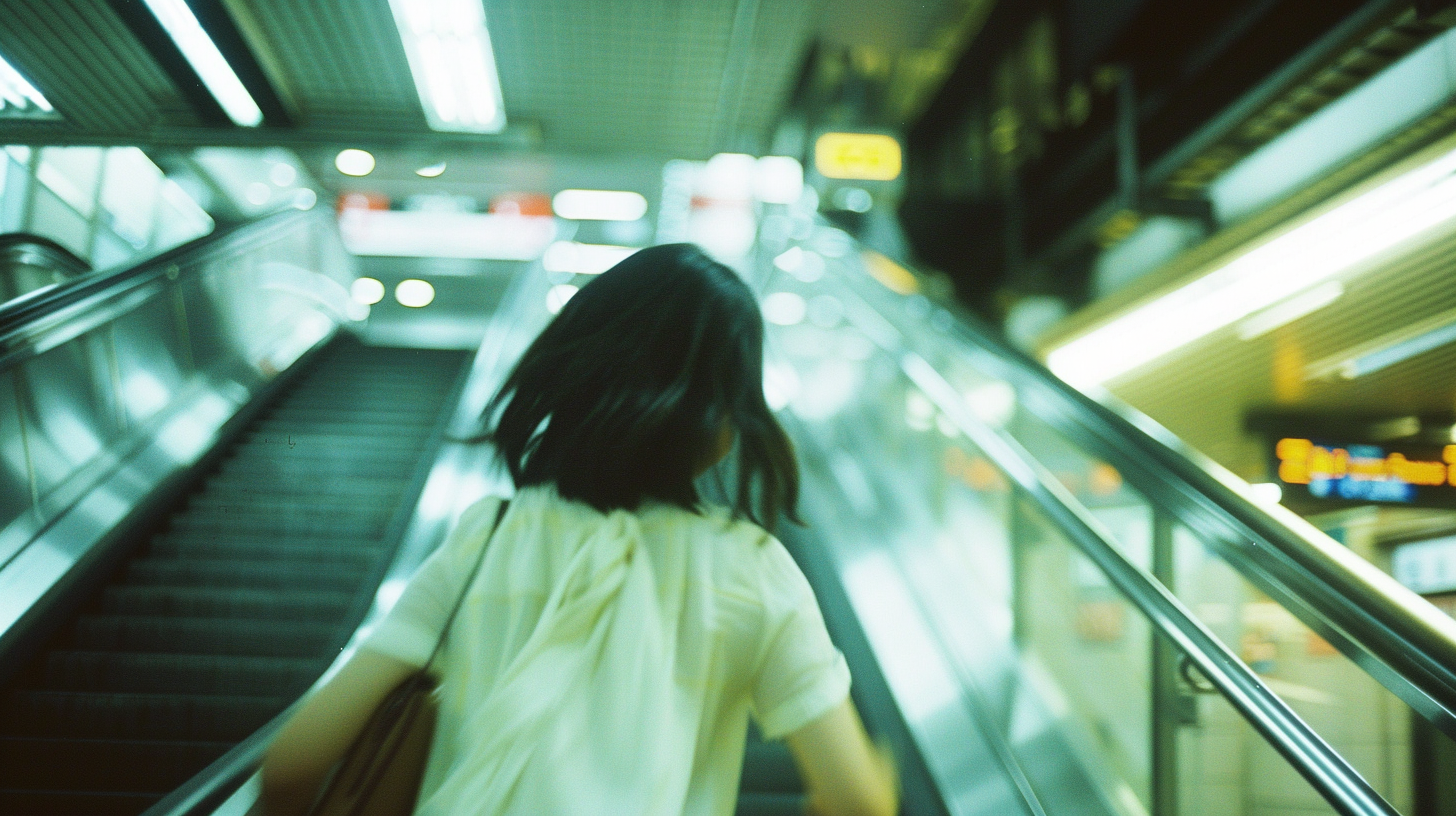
(1362, 472)
(863, 156)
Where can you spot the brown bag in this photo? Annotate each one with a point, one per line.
(380, 774)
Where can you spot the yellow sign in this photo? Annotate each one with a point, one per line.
(1302, 462)
(865, 156)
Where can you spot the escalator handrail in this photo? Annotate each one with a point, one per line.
(1351, 595)
(24, 248)
(24, 317)
(1324, 768)
(1349, 592)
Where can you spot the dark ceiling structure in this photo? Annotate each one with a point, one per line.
(1065, 124)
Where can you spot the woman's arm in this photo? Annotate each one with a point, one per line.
(845, 773)
(316, 737)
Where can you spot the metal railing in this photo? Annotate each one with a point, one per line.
(1392, 634)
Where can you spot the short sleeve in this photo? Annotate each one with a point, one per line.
(411, 628)
(801, 674)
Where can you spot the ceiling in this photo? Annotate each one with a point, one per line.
(1226, 396)
(666, 78)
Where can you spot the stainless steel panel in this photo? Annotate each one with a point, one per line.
(199, 317)
(112, 392)
(149, 359)
(15, 489)
(68, 421)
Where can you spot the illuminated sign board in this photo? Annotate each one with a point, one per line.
(1426, 567)
(861, 156)
(1368, 473)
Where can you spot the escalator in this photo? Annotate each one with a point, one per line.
(1049, 606)
(246, 593)
(31, 262)
(1052, 606)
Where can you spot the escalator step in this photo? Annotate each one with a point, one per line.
(47, 802)
(69, 714)
(318, 468)
(263, 511)
(303, 460)
(144, 766)
(217, 622)
(222, 574)
(242, 487)
(293, 504)
(770, 804)
(309, 551)
(768, 767)
(201, 636)
(337, 525)
(301, 440)
(355, 423)
(77, 670)
(181, 542)
(205, 602)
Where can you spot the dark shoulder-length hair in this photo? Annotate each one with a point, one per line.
(627, 393)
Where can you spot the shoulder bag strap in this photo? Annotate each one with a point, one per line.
(479, 559)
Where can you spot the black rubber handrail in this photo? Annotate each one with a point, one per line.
(28, 249)
(94, 289)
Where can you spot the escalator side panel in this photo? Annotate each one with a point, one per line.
(217, 621)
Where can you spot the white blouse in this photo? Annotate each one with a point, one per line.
(607, 664)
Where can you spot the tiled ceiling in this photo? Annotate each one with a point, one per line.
(669, 78)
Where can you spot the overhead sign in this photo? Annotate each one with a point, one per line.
(1369, 473)
(422, 234)
(861, 156)
(1426, 567)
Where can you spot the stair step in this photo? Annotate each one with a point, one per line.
(337, 525)
(184, 540)
(90, 715)
(58, 802)
(80, 670)
(770, 804)
(353, 552)
(316, 465)
(246, 486)
(291, 442)
(201, 636)
(144, 766)
(313, 463)
(223, 574)
(768, 767)
(410, 423)
(297, 505)
(293, 604)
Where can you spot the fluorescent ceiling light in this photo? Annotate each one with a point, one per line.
(1282, 314)
(583, 259)
(1332, 243)
(778, 179)
(414, 293)
(17, 96)
(354, 162)
(423, 234)
(1388, 349)
(201, 52)
(367, 291)
(431, 171)
(452, 62)
(599, 205)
